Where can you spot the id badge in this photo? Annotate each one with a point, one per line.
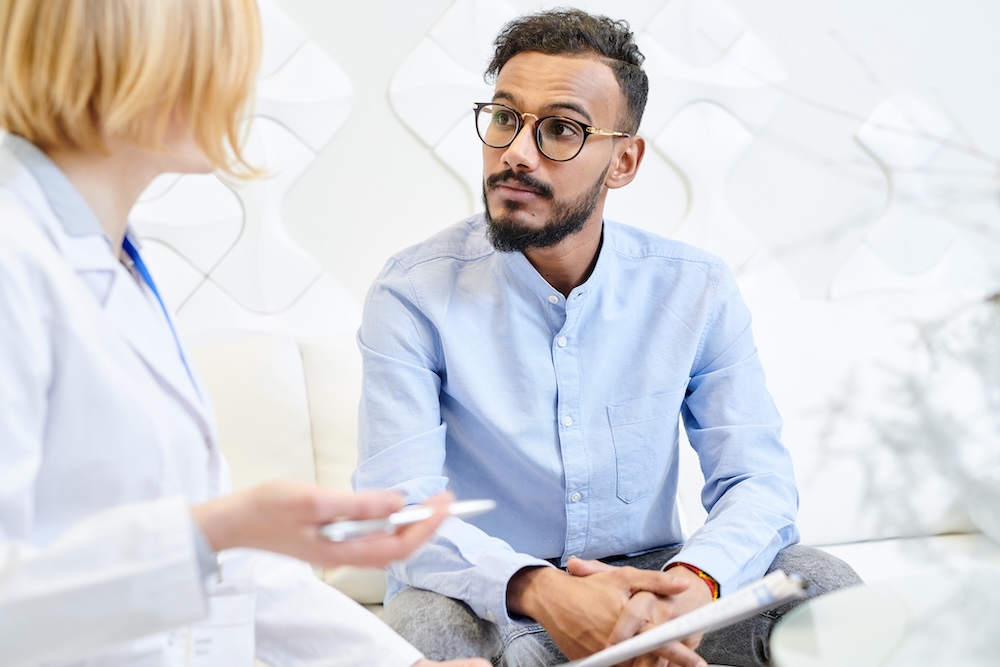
(226, 637)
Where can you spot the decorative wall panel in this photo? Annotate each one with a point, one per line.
(726, 120)
(218, 246)
(818, 156)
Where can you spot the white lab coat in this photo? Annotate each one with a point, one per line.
(104, 444)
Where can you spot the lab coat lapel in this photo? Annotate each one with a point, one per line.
(70, 224)
(92, 262)
(138, 316)
(134, 312)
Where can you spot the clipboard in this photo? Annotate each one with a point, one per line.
(774, 589)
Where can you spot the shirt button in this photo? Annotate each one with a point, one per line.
(553, 298)
(561, 342)
(567, 421)
(575, 498)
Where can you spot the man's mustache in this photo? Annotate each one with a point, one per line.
(539, 188)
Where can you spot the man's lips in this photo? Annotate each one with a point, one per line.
(516, 188)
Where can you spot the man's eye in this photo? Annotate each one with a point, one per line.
(503, 119)
(559, 129)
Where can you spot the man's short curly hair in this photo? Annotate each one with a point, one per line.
(575, 32)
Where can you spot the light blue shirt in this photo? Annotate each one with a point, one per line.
(481, 378)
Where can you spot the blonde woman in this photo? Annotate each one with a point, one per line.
(115, 528)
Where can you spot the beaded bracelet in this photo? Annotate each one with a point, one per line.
(712, 584)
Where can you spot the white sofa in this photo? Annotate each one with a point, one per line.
(891, 405)
(891, 408)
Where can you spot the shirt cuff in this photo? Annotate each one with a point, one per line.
(723, 570)
(489, 591)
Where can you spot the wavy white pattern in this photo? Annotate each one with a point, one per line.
(792, 143)
(219, 248)
(749, 146)
(917, 242)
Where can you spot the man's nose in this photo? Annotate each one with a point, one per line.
(523, 153)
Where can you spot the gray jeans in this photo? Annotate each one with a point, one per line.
(446, 629)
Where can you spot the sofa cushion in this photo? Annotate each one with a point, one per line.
(288, 409)
(332, 367)
(258, 390)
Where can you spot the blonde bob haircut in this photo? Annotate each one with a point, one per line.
(75, 73)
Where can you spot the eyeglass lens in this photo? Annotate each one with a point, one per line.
(557, 138)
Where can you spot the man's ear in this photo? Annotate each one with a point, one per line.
(629, 154)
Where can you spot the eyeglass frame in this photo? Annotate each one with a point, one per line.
(520, 115)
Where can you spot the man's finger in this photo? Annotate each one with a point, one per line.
(656, 582)
(634, 618)
(581, 568)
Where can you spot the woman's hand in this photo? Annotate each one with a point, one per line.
(286, 517)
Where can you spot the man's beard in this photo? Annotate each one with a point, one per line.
(508, 235)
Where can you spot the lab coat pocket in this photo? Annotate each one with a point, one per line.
(644, 432)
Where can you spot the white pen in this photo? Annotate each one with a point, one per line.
(339, 531)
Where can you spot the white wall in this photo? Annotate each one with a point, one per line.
(824, 148)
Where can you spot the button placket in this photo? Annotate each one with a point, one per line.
(566, 365)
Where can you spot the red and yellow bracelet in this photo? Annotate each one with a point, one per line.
(712, 584)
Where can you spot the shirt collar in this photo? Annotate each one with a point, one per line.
(72, 211)
(527, 273)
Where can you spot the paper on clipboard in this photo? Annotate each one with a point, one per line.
(774, 589)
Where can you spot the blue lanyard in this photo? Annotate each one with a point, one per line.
(140, 266)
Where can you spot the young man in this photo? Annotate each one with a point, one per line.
(542, 356)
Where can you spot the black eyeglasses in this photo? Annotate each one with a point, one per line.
(558, 138)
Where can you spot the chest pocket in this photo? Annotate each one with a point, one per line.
(644, 432)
